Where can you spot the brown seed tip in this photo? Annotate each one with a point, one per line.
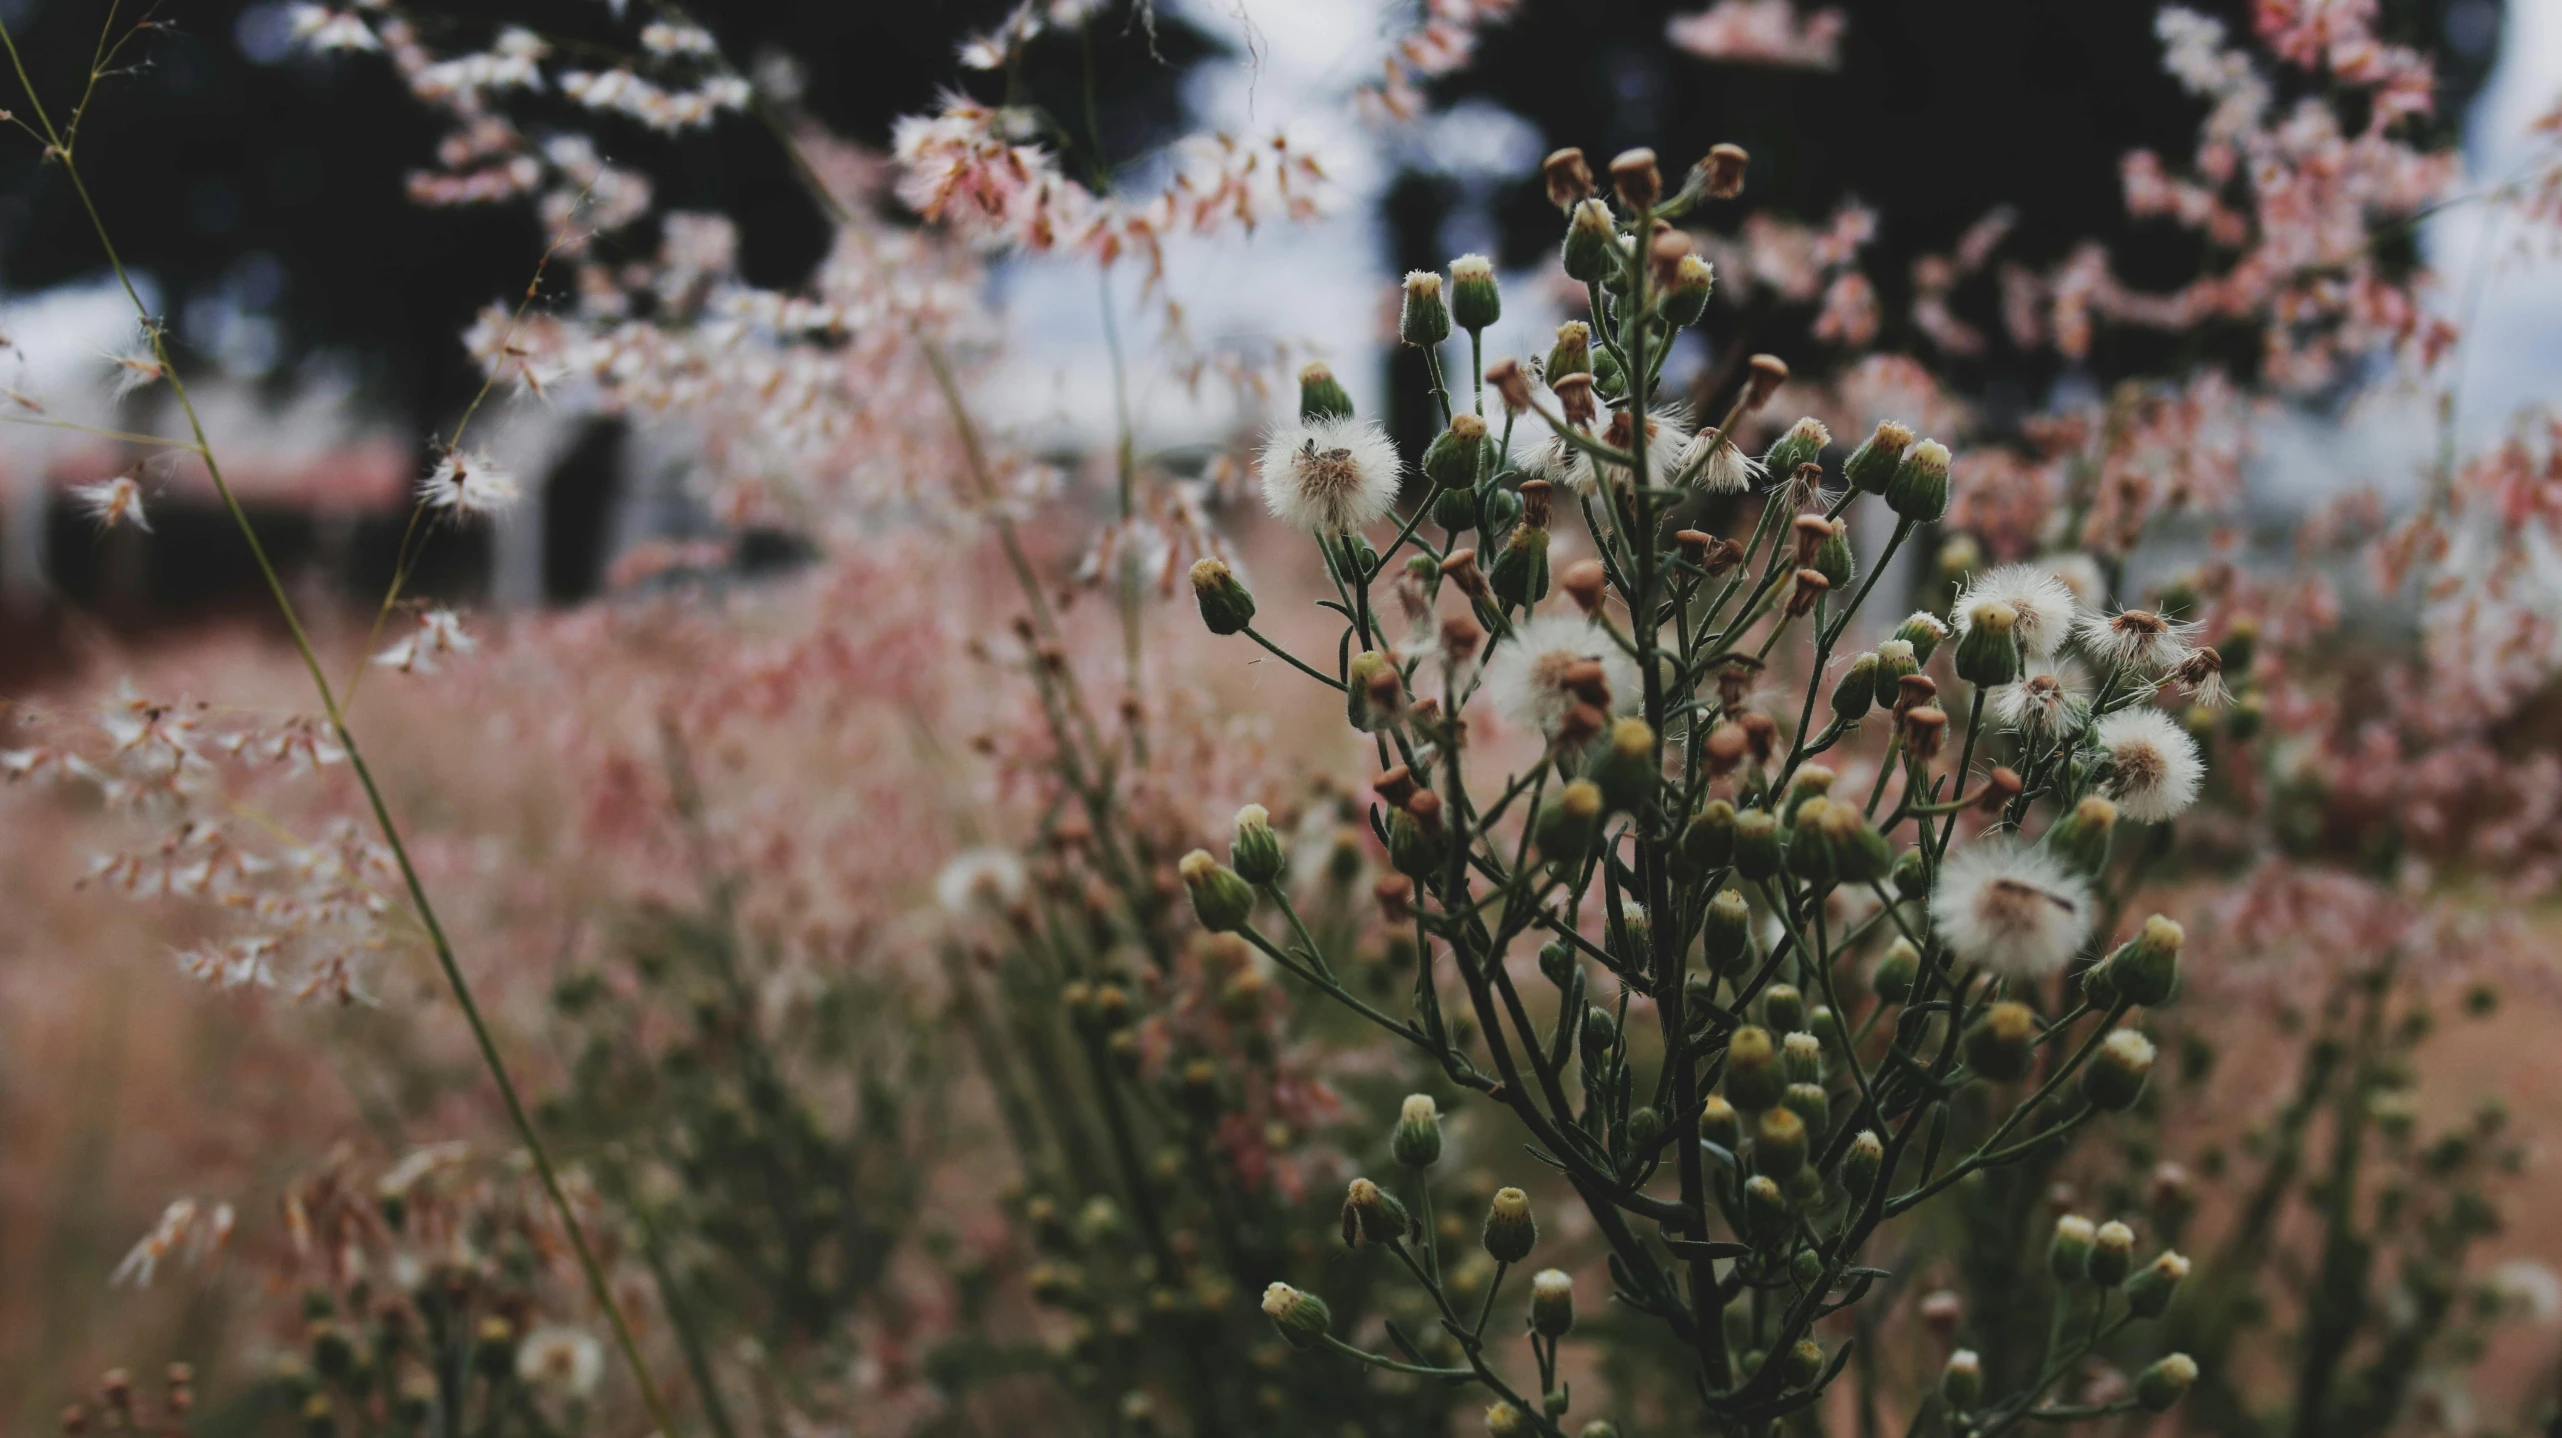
(1534, 502)
(1460, 568)
(1769, 372)
(1586, 582)
(1723, 171)
(1396, 898)
(1569, 178)
(1574, 392)
(2000, 787)
(1395, 785)
(1924, 730)
(1665, 255)
(1636, 178)
(1460, 636)
(1511, 385)
(1810, 587)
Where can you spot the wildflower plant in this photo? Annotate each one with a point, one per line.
(1744, 925)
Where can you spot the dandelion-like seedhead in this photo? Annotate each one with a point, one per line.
(1330, 476)
(468, 483)
(2153, 767)
(2138, 640)
(2011, 908)
(1531, 677)
(2044, 607)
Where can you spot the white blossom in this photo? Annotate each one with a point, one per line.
(2044, 604)
(2014, 910)
(1329, 476)
(2153, 765)
(1526, 676)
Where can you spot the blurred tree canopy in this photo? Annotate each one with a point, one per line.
(247, 176)
(1938, 114)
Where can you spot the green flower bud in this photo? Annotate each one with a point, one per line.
(1812, 781)
(1520, 573)
(1370, 677)
(2160, 1387)
(1783, 1008)
(1321, 396)
(1557, 961)
(1424, 319)
(1765, 1206)
(1726, 931)
(1961, 1383)
(1801, 1058)
(1608, 380)
(2150, 1291)
(1505, 1421)
(1910, 875)
(1510, 1232)
(1758, 851)
(1860, 854)
(1416, 1140)
(1372, 1216)
(2068, 1254)
(1855, 692)
(1645, 1126)
(1592, 244)
(1455, 509)
(1256, 852)
(1779, 1143)
(1475, 303)
(1809, 857)
(1570, 822)
(2002, 1044)
(1600, 1036)
(2116, 1074)
(1220, 898)
(1802, 1364)
(1919, 490)
(1719, 1124)
(1301, 1317)
(1753, 1079)
(1895, 973)
(1572, 354)
(1418, 845)
(1872, 465)
(1709, 841)
(1600, 1428)
(1226, 606)
(1923, 632)
(1988, 653)
(1833, 559)
(2145, 969)
(1552, 1303)
(2112, 1254)
(1627, 769)
(1685, 299)
(1455, 456)
(2081, 837)
(1862, 1162)
(2239, 647)
(1812, 1106)
(1803, 443)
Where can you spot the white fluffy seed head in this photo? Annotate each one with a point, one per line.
(1668, 442)
(2135, 639)
(1419, 1108)
(2014, 910)
(2043, 605)
(1728, 470)
(1330, 476)
(1552, 1283)
(1526, 675)
(2042, 704)
(2153, 765)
